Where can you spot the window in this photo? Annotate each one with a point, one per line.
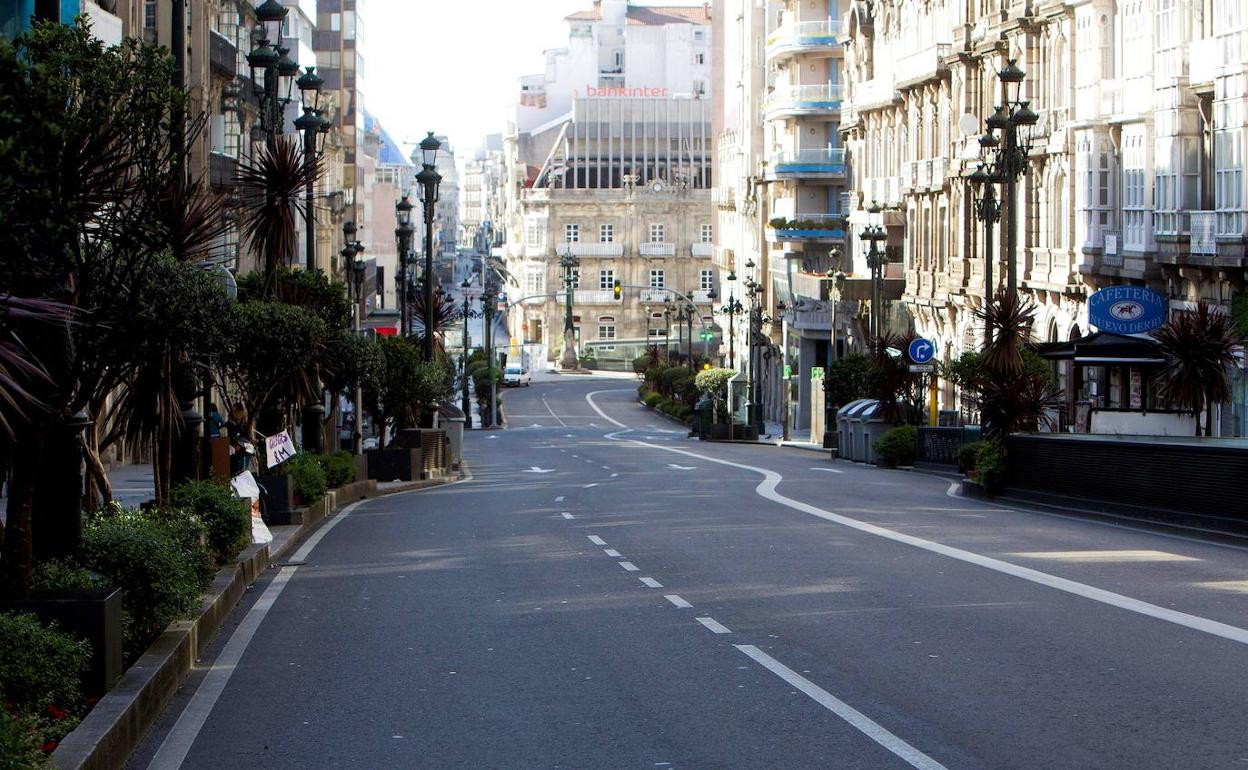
(233, 138)
(606, 233)
(149, 15)
(576, 278)
(699, 58)
(658, 279)
(1135, 217)
(699, 35)
(706, 280)
(533, 236)
(572, 233)
(534, 282)
(708, 233)
(657, 233)
(335, 22)
(606, 327)
(606, 279)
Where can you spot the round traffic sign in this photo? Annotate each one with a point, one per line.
(921, 351)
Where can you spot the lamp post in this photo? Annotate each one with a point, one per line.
(873, 234)
(647, 312)
(467, 312)
(988, 211)
(488, 299)
(403, 234)
(354, 266)
(782, 310)
(1006, 158)
(569, 262)
(311, 125)
(754, 327)
(667, 327)
(429, 180)
(732, 307)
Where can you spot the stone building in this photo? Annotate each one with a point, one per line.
(1134, 175)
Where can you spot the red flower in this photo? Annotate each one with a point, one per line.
(49, 747)
(57, 713)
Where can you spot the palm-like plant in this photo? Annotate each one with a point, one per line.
(272, 184)
(444, 314)
(1200, 349)
(20, 372)
(1013, 396)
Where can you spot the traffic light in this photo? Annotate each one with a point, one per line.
(619, 290)
(706, 367)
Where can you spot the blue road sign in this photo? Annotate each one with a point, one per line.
(922, 351)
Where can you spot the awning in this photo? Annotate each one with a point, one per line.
(1105, 349)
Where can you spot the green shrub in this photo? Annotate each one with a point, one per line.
(19, 743)
(39, 665)
(191, 535)
(899, 446)
(654, 399)
(225, 514)
(990, 466)
(968, 455)
(58, 574)
(144, 559)
(339, 468)
(307, 478)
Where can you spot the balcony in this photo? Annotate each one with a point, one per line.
(812, 320)
(793, 38)
(657, 249)
(702, 297)
(222, 171)
(924, 65)
(724, 197)
(222, 54)
(802, 100)
(1204, 232)
(826, 162)
(591, 249)
(590, 297)
(807, 227)
(656, 295)
(702, 249)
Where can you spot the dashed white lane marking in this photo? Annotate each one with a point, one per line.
(954, 488)
(629, 566)
(606, 467)
(1082, 557)
(567, 515)
(679, 602)
(650, 582)
(559, 499)
(596, 540)
(853, 716)
(714, 625)
(614, 475)
(771, 480)
(828, 470)
(614, 554)
(589, 486)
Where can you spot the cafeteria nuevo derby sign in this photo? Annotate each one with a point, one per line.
(1126, 310)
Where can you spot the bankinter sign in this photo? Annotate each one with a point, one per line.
(619, 91)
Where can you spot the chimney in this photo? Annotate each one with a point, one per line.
(707, 8)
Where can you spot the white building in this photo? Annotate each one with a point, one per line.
(608, 158)
(1135, 174)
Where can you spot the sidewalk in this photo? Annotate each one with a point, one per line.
(798, 439)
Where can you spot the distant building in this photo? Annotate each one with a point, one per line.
(608, 159)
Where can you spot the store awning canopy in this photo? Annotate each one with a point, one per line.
(1105, 349)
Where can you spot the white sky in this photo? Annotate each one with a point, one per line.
(450, 66)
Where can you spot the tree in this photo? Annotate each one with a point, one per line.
(272, 185)
(850, 377)
(1015, 395)
(407, 385)
(1200, 350)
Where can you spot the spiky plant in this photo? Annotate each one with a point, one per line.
(1199, 350)
(272, 185)
(444, 314)
(1013, 396)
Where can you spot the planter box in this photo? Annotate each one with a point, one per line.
(93, 614)
(394, 464)
(719, 431)
(278, 496)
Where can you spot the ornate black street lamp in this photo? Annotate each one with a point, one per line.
(874, 234)
(403, 235)
(1006, 161)
(353, 266)
(489, 299)
(429, 180)
(569, 262)
(466, 313)
(732, 308)
(311, 125)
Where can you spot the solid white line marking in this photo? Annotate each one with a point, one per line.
(853, 716)
(629, 566)
(177, 743)
(828, 470)
(679, 602)
(567, 515)
(559, 499)
(614, 554)
(714, 625)
(650, 582)
(596, 540)
(552, 413)
(771, 480)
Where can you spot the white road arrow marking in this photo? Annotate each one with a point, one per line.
(682, 467)
(535, 469)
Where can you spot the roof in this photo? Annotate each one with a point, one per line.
(390, 152)
(1105, 348)
(652, 15)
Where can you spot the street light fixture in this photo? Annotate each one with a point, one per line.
(429, 180)
(403, 234)
(569, 262)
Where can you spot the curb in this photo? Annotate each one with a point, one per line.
(110, 733)
(664, 415)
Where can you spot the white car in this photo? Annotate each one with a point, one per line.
(515, 376)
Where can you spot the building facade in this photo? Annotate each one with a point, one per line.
(608, 162)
